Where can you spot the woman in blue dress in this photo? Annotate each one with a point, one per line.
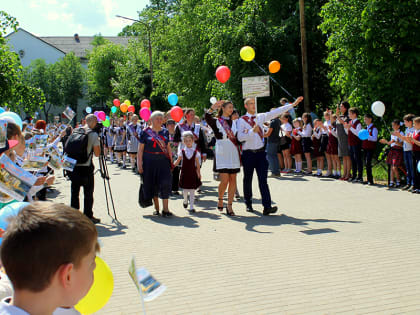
(154, 161)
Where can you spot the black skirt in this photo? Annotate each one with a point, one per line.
(228, 170)
(307, 145)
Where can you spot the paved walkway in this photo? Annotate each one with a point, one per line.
(333, 248)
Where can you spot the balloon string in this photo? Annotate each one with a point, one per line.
(386, 125)
(272, 79)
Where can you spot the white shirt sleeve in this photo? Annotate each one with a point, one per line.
(356, 130)
(244, 133)
(374, 136)
(263, 117)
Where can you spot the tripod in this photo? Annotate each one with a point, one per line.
(103, 168)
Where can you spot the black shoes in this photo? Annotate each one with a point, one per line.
(270, 210)
(95, 220)
(185, 205)
(166, 214)
(249, 209)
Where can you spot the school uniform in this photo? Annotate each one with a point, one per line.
(416, 159)
(408, 157)
(355, 148)
(120, 141)
(189, 177)
(395, 156)
(306, 135)
(296, 145)
(254, 156)
(369, 147)
(198, 137)
(284, 129)
(133, 136)
(332, 147)
(316, 143)
(324, 137)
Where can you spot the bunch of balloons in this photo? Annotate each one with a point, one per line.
(100, 291)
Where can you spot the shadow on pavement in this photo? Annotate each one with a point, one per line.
(188, 222)
(277, 220)
(105, 230)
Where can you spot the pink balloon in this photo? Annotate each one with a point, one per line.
(145, 113)
(101, 116)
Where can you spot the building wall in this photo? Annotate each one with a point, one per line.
(29, 48)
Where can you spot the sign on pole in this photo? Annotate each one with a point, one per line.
(256, 86)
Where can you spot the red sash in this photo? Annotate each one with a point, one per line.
(251, 122)
(185, 127)
(160, 141)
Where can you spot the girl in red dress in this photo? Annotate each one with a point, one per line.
(190, 178)
(296, 146)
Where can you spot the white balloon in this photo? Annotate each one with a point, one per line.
(213, 100)
(378, 108)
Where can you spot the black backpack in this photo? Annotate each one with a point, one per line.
(76, 145)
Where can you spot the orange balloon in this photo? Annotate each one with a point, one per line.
(124, 107)
(274, 66)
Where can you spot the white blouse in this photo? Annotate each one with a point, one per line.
(306, 132)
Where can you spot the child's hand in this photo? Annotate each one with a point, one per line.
(383, 141)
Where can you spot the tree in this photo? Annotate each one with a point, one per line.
(99, 40)
(101, 71)
(46, 77)
(15, 92)
(71, 76)
(374, 52)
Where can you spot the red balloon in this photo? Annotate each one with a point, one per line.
(116, 102)
(222, 74)
(131, 109)
(177, 113)
(145, 103)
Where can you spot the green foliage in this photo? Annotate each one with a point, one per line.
(190, 38)
(99, 40)
(71, 76)
(101, 71)
(374, 52)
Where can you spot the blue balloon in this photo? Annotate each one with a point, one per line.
(12, 117)
(363, 134)
(88, 110)
(8, 211)
(107, 118)
(2, 110)
(173, 99)
(418, 166)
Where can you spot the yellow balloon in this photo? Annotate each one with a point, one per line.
(100, 291)
(247, 53)
(127, 102)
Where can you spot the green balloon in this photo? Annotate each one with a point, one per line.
(106, 123)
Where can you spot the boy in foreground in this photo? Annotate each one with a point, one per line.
(48, 252)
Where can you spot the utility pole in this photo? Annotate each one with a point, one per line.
(149, 43)
(307, 104)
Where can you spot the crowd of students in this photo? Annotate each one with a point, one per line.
(337, 136)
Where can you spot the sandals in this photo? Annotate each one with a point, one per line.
(156, 212)
(220, 208)
(230, 213)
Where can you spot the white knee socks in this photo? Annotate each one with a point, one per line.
(185, 192)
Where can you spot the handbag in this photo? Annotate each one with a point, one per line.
(143, 202)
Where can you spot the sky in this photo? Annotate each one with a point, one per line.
(67, 17)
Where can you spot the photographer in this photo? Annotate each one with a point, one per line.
(81, 145)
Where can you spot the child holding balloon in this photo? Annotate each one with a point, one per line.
(395, 155)
(369, 146)
(52, 271)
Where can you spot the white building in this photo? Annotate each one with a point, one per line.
(51, 48)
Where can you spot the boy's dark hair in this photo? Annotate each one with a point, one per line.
(368, 116)
(13, 130)
(345, 104)
(409, 117)
(354, 110)
(416, 120)
(40, 239)
(284, 100)
(396, 122)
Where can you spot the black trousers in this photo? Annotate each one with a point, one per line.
(356, 161)
(416, 161)
(82, 176)
(175, 178)
(368, 156)
(256, 161)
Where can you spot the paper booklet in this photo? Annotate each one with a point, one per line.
(14, 180)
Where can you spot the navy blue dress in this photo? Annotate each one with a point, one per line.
(157, 176)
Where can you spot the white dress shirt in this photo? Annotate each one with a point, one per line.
(396, 139)
(407, 145)
(374, 136)
(306, 132)
(356, 130)
(251, 140)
